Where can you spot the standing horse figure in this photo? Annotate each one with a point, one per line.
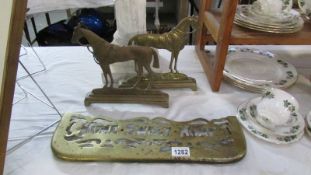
(106, 54)
(174, 41)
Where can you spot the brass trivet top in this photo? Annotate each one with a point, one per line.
(87, 138)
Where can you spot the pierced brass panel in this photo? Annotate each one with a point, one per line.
(86, 138)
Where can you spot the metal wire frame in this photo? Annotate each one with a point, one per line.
(50, 104)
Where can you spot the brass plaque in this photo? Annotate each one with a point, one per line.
(86, 138)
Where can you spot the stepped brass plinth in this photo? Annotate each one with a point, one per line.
(164, 81)
(130, 95)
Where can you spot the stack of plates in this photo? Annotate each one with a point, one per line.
(308, 125)
(255, 70)
(287, 22)
(291, 132)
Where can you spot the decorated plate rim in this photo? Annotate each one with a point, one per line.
(288, 69)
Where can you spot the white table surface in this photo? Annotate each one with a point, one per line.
(72, 73)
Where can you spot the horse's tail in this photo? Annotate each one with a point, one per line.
(155, 59)
(131, 41)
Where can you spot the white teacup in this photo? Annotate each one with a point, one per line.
(268, 7)
(276, 108)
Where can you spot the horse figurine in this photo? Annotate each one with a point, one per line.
(173, 41)
(105, 54)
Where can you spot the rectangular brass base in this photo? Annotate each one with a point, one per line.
(86, 138)
(137, 96)
(164, 81)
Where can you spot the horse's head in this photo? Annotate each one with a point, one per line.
(194, 21)
(184, 24)
(77, 34)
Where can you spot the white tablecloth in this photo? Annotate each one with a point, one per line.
(72, 73)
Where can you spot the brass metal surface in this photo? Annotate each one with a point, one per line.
(105, 54)
(86, 138)
(163, 81)
(173, 41)
(114, 95)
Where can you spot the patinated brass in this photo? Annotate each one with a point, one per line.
(173, 41)
(86, 138)
(114, 95)
(164, 81)
(105, 54)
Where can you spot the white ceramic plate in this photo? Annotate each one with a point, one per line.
(269, 29)
(289, 22)
(248, 124)
(259, 69)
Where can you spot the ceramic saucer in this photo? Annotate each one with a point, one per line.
(249, 125)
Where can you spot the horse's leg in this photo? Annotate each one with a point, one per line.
(175, 63)
(171, 62)
(105, 75)
(108, 71)
(139, 72)
(136, 67)
(110, 75)
(150, 74)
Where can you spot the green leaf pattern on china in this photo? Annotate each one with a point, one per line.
(282, 82)
(294, 129)
(289, 106)
(268, 94)
(283, 63)
(242, 114)
(289, 74)
(253, 110)
(287, 138)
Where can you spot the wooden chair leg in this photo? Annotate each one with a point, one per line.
(223, 41)
(214, 65)
(218, 64)
(9, 73)
(202, 38)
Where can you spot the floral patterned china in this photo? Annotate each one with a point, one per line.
(264, 134)
(272, 7)
(255, 70)
(287, 21)
(305, 6)
(294, 126)
(276, 108)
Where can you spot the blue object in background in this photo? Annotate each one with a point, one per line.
(60, 33)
